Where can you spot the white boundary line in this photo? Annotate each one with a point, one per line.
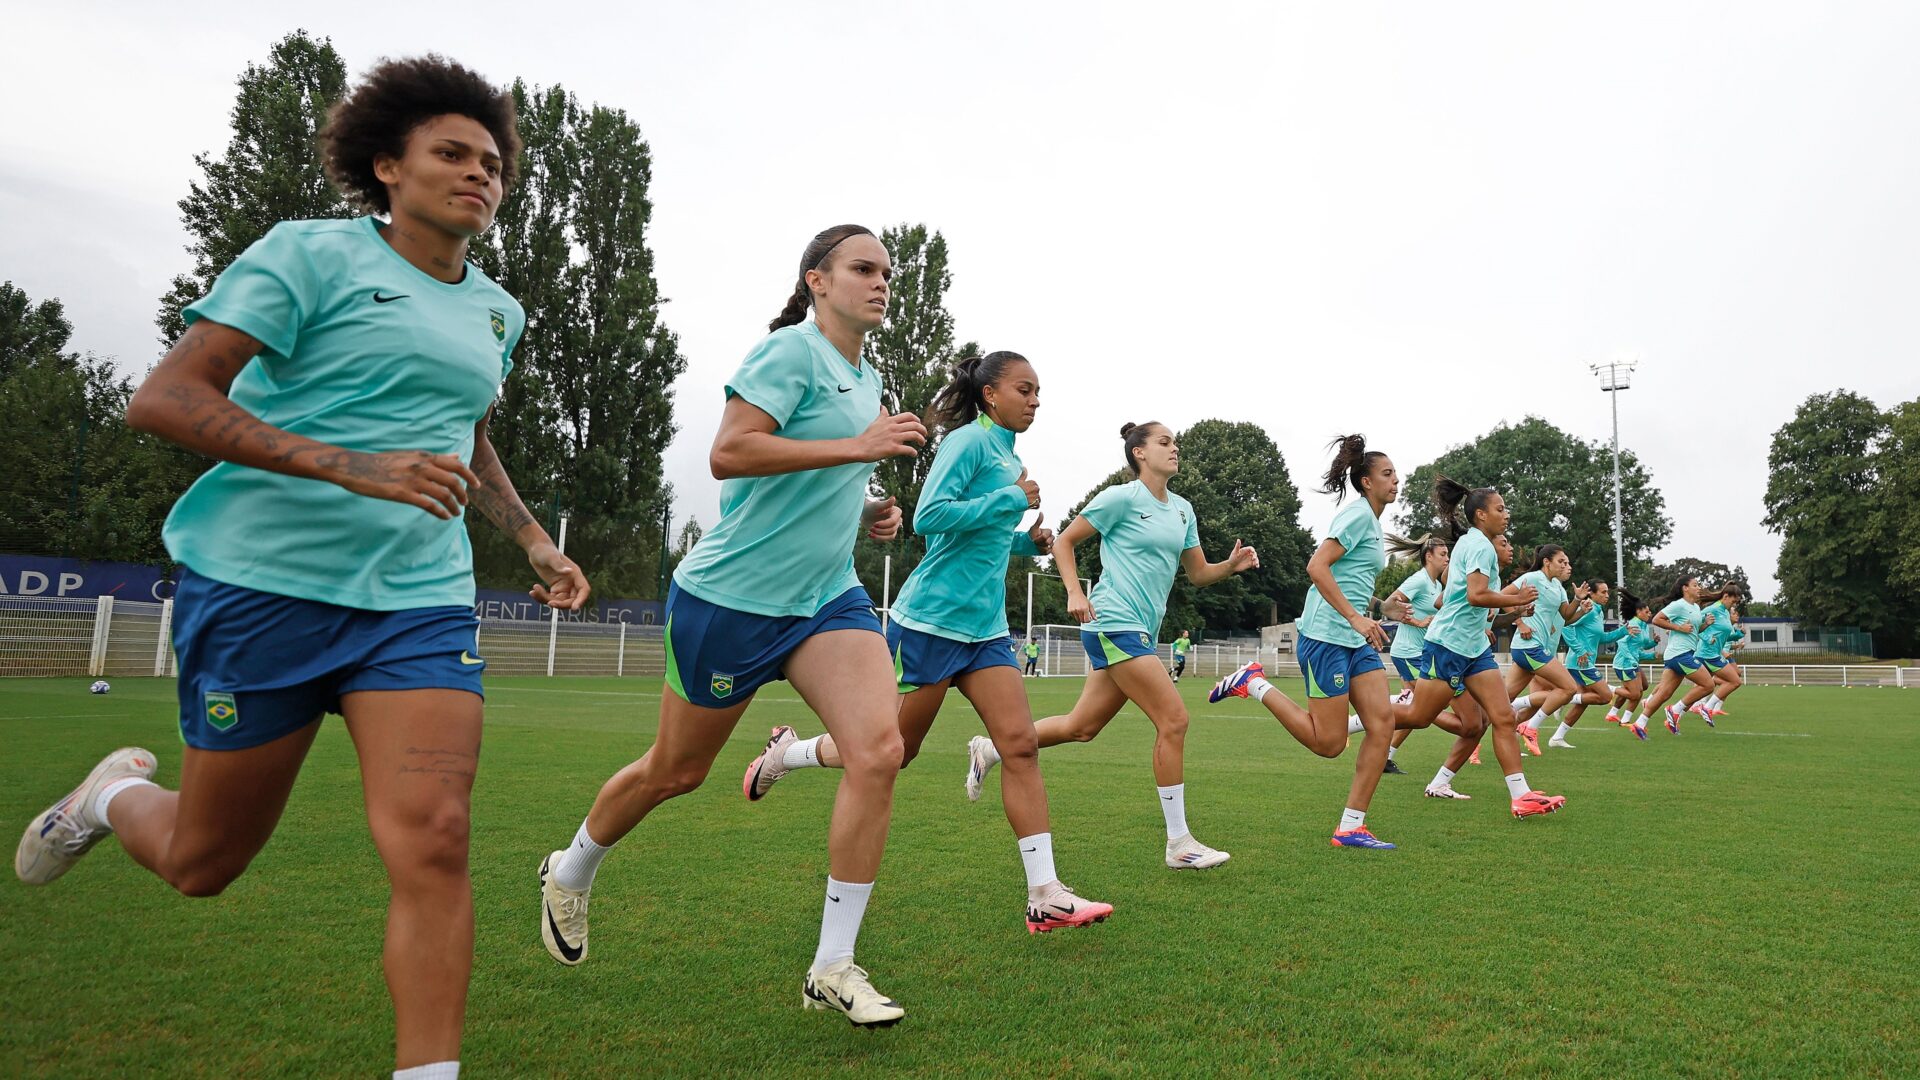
(1768, 734)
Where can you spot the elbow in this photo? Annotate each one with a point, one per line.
(140, 412)
(723, 462)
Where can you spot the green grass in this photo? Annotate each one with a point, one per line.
(1721, 904)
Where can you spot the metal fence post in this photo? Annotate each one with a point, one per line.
(620, 664)
(102, 620)
(1793, 675)
(166, 635)
(1843, 675)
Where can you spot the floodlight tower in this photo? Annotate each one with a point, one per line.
(1616, 376)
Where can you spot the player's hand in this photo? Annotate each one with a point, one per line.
(892, 435)
(1582, 591)
(1525, 631)
(1528, 594)
(1042, 538)
(1398, 611)
(436, 483)
(1633, 631)
(1586, 659)
(1080, 609)
(1031, 488)
(1242, 559)
(562, 584)
(1369, 629)
(882, 518)
(1708, 621)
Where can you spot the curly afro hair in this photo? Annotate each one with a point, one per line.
(398, 96)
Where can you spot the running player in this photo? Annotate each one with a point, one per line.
(1180, 647)
(771, 594)
(1720, 631)
(1584, 637)
(1147, 533)
(1681, 617)
(1537, 640)
(1459, 657)
(949, 625)
(1635, 648)
(1420, 592)
(325, 565)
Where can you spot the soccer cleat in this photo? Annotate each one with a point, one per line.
(1559, 743)
(1535, 802)
(1444, 791)
(769, 766)
(1474, 758)
(977, 765)
(1640, 730)
(563, 915)
(1235, 685)
(1393, 768)
(1707, 713)
(1062, 908)
(1529, 737)
(1187, 853)
(1404, 697)
(57, 837)
(845, 986)
(1360, 838)
(1673, 719)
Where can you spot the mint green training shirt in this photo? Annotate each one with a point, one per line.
(363, 350)
(1681, 612)
(1357, 529)
(1423, 596)
(1141, 541)
(1712, 644)
(1636, 649)
(970, 511)
(1461, 627)
(1586, 634)
(1545, 622)
(784, 544)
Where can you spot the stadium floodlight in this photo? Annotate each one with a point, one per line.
(1616, 375)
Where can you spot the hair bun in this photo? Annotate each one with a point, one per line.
(1127, 429)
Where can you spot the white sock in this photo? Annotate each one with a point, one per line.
(1257, 687)
(1517, 785)
(1392, 750)
(580, 861)
(1521, 703)
(1444, 776)
(840, 919)
(439, 1070)
(1173, 805)
(991, 753)
(1613, 712)
(1351, 819)
(1563, 731)
(1354, 726)
(1533, 722)
(107, 793)
(803, 754)
(1036, 852)
(1713, 701)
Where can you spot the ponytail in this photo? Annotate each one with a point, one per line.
(813, 258)
(1630, 604)
(1352, 463)
(1679, 590)
(959, 402)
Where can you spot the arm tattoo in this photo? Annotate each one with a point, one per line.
(495, 497)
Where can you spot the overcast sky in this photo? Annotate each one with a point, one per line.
(1321, 218)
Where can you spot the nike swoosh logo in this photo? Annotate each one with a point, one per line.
(572, 954)
(1169, 798)
(1029, 849)
(1068, 910)
(378, 299)
(1146, 517)
(833, 898)
(845, 389)
(469, 659)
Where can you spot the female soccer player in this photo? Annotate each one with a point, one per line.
(1339, 645)
(771, 594)
(1537, 640)
(1681, 617)
(1720, 631)
(1635, 648)
(1147, 533)
(342, 372)
(1584, 637)
(949, 625)
(1420, 592)
(1458, 657)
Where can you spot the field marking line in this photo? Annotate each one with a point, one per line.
(557, 690)
(1767, 734)
(64, 716)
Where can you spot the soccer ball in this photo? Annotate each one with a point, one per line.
(100, 686)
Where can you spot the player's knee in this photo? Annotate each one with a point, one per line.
(1173, 726)
(207, 879)
(1018, 750)
(879, 757)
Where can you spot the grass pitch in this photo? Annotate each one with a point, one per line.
(1738, 902)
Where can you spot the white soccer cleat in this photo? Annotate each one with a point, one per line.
(845, 986)
(1561, 743)
(563, 915)
(1187, 853)
(57, 837)
(1404, 697)
(978, 765)
(1444, 791)
(771, 765)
